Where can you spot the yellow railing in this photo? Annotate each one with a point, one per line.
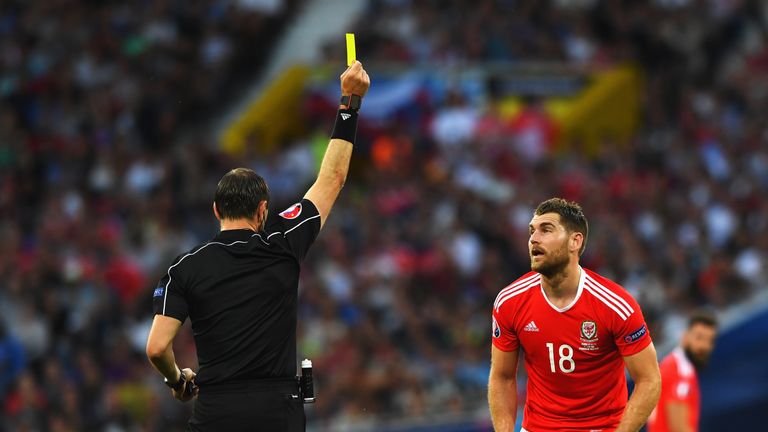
(272, 117)
(606, 111)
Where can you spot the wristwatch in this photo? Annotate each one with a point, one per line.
(179, 384)
(351, 102)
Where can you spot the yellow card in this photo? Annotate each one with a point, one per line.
(351, 49)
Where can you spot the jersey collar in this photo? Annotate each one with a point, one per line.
(582, 277)
(234, 234)
(684, 366)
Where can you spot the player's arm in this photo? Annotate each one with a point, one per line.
(644, 370)
(160, 351)
(335, 165)
(502, 389)
(677, 416)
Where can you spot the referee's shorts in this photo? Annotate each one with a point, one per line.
(266, 405)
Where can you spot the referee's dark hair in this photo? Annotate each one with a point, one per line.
(239, 193)
(571, 216)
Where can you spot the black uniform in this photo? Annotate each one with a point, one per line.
(240, 291)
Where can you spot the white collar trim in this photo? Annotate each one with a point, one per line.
(582, 277)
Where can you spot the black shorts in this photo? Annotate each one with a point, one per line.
(253, 406)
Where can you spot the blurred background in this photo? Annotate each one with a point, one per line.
(117, 118)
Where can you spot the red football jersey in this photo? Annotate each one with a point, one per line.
(679, 383)
(573, 355)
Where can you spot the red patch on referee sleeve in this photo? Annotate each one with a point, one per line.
(292, 212)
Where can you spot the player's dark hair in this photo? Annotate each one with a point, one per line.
(571, 216)
(704, 317)
(239, 193)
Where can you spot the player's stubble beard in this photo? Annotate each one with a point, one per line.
(699, 360)
(554, 262)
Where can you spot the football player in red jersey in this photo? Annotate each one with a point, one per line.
(578, 331)
(678, 409)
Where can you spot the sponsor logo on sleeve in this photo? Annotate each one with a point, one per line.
(636, 335)
(292, 212)
(159, 292)
(496, 329)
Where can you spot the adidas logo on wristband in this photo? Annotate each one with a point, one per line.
(345, 127)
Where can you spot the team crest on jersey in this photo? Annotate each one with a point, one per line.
(588, 330)
(589, 339)
(292, 212)
(496, 328)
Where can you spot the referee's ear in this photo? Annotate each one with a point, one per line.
(263, 212)
(216, 212)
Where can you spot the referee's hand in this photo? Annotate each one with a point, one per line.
(355, 80)
(182, 394)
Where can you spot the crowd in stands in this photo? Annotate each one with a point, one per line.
(95, 191)
(100, 189)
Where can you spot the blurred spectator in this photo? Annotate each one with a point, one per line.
(12, 359)
(533, 132)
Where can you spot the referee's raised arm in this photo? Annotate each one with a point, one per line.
(335, 165)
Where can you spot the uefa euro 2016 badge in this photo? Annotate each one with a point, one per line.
(589, 336)
(292, 212)
(496, 329)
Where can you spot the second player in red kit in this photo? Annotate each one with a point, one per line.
(577, 330)
(679, 406)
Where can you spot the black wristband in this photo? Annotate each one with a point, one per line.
(346, 125)
(178, 384)
(351, 102)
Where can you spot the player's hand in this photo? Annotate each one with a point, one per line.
(182, 394)
(355, 80)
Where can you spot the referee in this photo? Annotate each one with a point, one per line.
(240, 292)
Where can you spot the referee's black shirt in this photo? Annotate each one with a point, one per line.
(240, 291)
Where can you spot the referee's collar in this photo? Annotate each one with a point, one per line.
(235, 234)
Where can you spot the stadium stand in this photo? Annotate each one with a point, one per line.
(106, 173)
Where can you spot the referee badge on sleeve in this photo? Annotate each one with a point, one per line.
(291, 212)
